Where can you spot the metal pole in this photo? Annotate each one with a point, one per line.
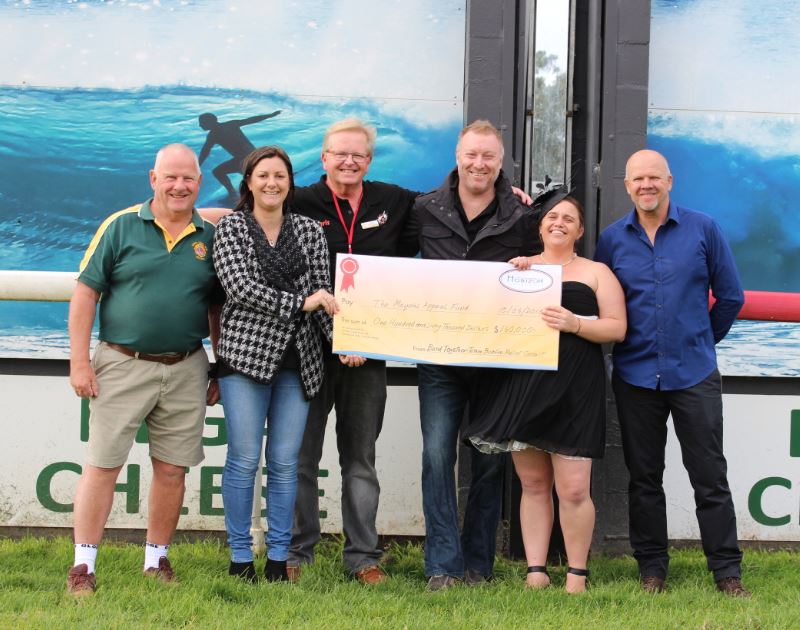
(593, 88)
(37, 286)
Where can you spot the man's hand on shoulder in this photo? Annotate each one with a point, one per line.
(522, 195)
(213, 215)
(83, 381)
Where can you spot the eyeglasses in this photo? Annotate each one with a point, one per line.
(341, 156)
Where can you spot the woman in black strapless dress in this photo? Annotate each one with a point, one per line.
(553, 422)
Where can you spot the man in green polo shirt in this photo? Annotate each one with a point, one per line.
(152, 265)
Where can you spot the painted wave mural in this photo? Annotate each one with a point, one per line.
(108, 83)
(725, 115)
(71, 157)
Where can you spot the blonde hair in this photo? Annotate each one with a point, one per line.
(482, 126)
(351, 124)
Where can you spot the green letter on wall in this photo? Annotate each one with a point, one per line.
(756, 495)
(44, 480)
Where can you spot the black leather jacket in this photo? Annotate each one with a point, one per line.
(512, 231)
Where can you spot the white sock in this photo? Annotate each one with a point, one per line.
(152, 553)
(85, 554)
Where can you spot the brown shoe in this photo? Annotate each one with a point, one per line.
(441, 582)
(293, 572)
(653, 584)
(732, 587)
(164, 571)
(475, 578)
(370, 575)
(80, 582)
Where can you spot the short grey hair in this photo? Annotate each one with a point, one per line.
(175, 148)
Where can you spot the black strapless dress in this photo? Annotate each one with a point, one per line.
(561, 411)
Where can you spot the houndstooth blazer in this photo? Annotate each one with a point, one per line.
(258, 320)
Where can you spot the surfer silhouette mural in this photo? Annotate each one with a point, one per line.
(229, 136)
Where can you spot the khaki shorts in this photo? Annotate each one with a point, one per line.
(171, 399)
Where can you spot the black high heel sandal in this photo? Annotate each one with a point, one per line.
(243, 570)
(538, 569)
(580, 573)
(275, 571)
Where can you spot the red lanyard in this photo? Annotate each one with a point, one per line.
(352, 223)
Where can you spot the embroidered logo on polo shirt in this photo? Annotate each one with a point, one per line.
(200, 250)
(325, 222)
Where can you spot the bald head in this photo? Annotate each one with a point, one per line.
(175, 180)
(175, 151)
(648, 182)
(647, 156)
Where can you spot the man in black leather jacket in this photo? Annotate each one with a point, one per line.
(473, 216)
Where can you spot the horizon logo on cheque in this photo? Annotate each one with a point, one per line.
(526, 281)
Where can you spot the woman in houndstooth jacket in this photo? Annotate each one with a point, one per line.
(273, 265)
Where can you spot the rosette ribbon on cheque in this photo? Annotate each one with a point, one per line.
(348, 266)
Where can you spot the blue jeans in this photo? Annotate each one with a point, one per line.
(443, 395)
(248, 404)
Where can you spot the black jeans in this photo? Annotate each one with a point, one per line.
(697, 418)
(359, 397)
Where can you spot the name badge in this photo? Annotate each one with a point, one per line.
(383, 217)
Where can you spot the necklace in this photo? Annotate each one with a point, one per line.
(544, 260)
(273, 241)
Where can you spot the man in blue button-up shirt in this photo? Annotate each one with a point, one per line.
(667, 258)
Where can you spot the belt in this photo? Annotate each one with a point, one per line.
(166, 359)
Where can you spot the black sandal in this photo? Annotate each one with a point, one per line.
(580, 573)
(538, 569)
(243, 570)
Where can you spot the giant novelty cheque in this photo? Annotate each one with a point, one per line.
(448, 312)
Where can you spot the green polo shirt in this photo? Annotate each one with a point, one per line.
(155, 290)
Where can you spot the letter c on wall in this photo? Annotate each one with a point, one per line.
(756, 495)
(44, 480)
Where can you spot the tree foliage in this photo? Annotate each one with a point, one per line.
(549, 119)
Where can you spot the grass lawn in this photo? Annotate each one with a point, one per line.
(32, 594)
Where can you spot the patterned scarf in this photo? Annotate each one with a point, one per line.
(283, 264)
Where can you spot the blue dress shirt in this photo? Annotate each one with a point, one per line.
(671, 333)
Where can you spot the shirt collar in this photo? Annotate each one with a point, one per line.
(367, 197)
(146, 213)
(673, 214)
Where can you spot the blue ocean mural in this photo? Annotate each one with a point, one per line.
(108, 83)
(725, 113)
